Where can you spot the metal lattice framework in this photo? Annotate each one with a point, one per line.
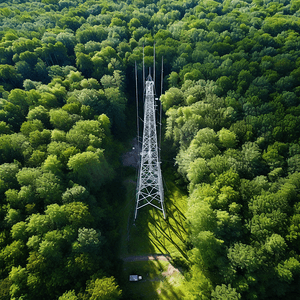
(149, 185)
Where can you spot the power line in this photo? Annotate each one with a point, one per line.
(143, 70)
(154, 64)
(161, 91)
(137, 104)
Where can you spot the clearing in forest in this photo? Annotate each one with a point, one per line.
(153, 247)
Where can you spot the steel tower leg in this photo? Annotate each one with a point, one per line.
(149, 185)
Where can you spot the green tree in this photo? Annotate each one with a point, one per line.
(173, 96)
(77, 193)
(93, 98)
(37, 138)
(244, 257)
(18, 97)
(70, 295)
(9, 76)
(49, 188)
(199, 286)
(62, 120)
(5, 288)
(89, 240)
(115, 81)
(53, 165)
(8, 173)
(90, 169)
(58, 135)
(116, 109)
(198, 171)
(12, 198)
(38, 225)
(86, 133)
(78, 214)
(36, 159)
(103, 289)
(173, 79)
(18, 277)
(227, 138)
(29, 57)
(4, 128)
(62, 150)
(48, 100)
(84, 63)
(224, 292)
(12, 255)
(30, 126)
(225, 84)
(68, 40)
(28, 176)
(39, 113)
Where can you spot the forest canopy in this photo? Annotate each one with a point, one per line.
(231, 103)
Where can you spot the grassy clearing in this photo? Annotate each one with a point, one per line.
(125, 215)
(155, 284)
(151, 234)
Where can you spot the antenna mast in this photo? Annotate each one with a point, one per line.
(149, 185)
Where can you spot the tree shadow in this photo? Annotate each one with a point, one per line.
(170, 293)
(172, 230)
(139, 242)
(163, 231)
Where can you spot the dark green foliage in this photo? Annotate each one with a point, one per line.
(232, 111)
(234, 150)
(54, 134)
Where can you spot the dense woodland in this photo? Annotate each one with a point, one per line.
(231, 102)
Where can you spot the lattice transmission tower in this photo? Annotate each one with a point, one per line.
(149, 186)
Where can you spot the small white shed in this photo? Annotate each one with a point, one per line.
(135, 277)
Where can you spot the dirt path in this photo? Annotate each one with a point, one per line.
(131, 158)
(162, 257)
